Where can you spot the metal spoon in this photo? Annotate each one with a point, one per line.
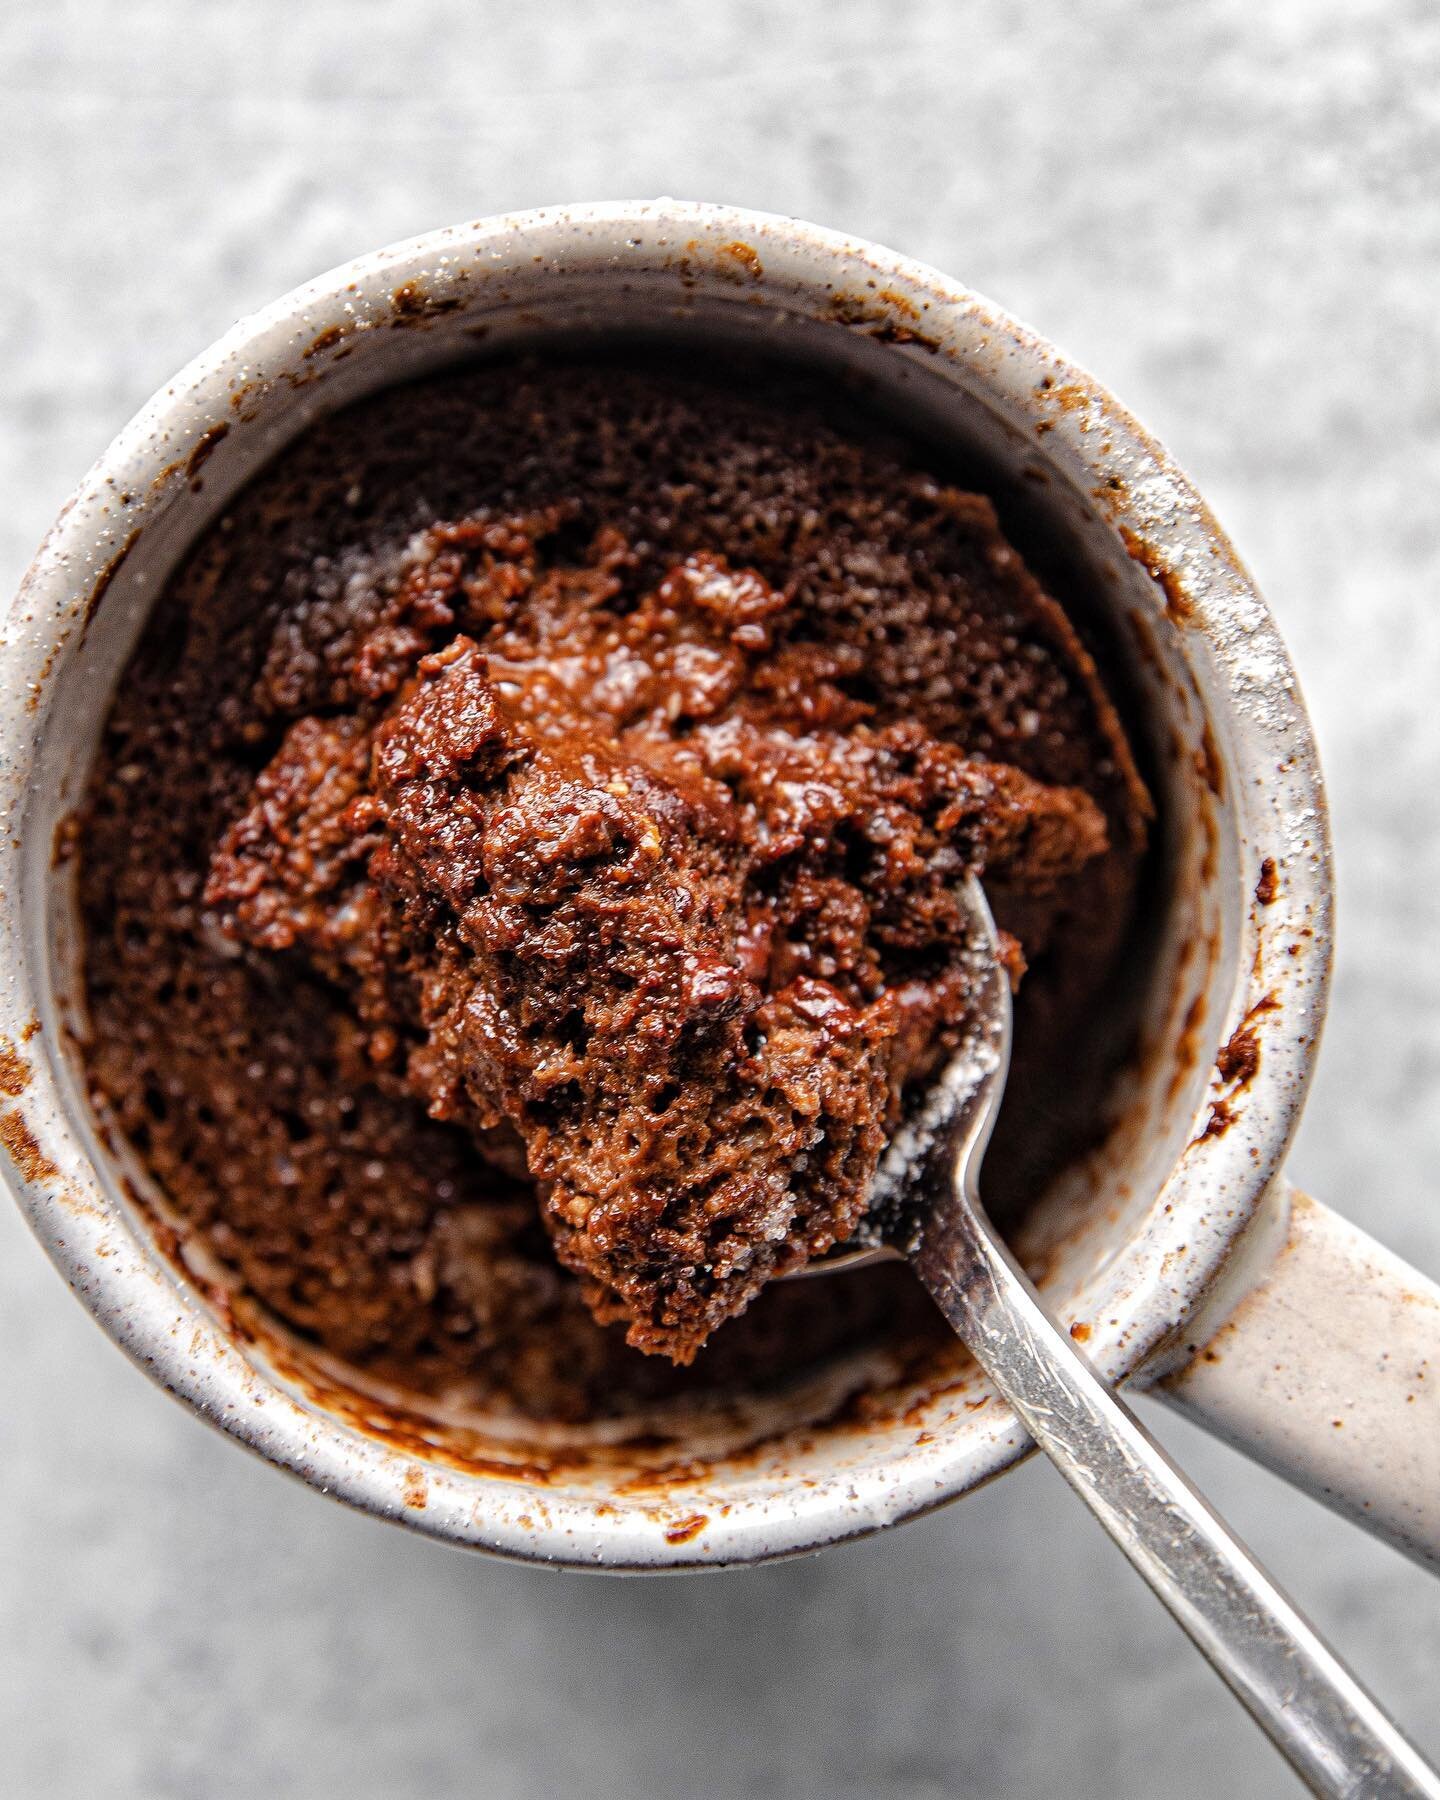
(926, 1207)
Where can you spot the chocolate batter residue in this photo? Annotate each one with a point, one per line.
(539, 802)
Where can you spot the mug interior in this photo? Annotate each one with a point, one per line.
(1123, 1242)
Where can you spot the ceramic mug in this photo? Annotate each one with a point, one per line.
(1176, 1252)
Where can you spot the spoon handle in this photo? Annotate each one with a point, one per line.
(1313, 1709)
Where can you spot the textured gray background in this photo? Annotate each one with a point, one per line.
(1234, 221)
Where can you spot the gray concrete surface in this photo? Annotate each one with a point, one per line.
(1228, 211)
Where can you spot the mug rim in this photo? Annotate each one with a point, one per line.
(1190, 1233)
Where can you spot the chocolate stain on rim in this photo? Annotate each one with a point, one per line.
(104, 579)
(411, 304)
(1188, 1053)
(888, 332)
(898, 302)
(1239, 1057)
(25, 1152)
(1207, 761)
(745, 256)
(1179, 607)
(14, 1070)
(322, 341)
(38, 686)
(1237, 1062)
(685, 1529)
(862, 313)
(205, 446)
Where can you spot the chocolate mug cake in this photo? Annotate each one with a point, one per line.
(519, 872)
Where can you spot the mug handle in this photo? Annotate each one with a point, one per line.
(1326, 1368)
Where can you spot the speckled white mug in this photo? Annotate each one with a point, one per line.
(1177, 1251)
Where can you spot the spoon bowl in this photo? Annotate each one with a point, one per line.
(953, 1116)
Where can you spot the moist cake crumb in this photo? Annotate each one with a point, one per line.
(520, 871)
